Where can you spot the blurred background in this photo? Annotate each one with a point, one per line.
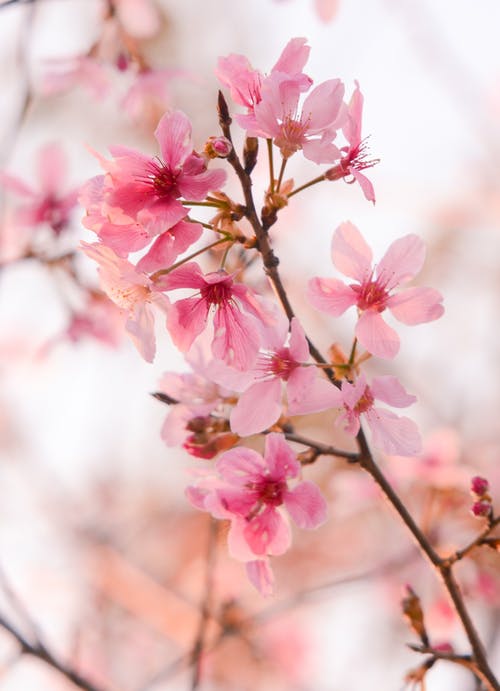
(98, 546)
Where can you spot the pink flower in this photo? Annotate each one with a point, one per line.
(281, 366)
(245, 82)
(148, 97)
(49, 204)
(311, 129)
(250, 493)
(392, 434)
(236, 319)
(133, 292)
(139, 18)
(65, 73)
(354, 156)
(372, 293)
(141, 190)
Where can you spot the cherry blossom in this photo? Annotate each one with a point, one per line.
(354, 157)
(62, 74)
(281, 365)
(133, 292)
(392, 434)
(140, 191)
(236, 319)
(49, 204)
(311, 128)
(372, 292)
(250, 492)
(245, 83)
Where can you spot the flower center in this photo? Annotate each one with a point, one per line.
(217, 293)
(291, 135)
(270, 491)
(371, 295)
(165, 182)
(365, 402)
(128, 297)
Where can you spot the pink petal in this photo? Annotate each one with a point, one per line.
(416, 305)
(186, 320)
(350, 253)
(352, 126)
(309, 392)
(393, 434)
(280, 457)
(236, 541)
(306, 505)
(174, 138)
(51, 168)
(365, 184)
(236, 337)
(186, 276)
(124, 238)
(320, 150)
(141, 329)
(330, 295)
(323, 104)
(140, 18)
(258, 408)
(327, 9)
(376, 336)
(293, 57)
(268, 533)
(402, 261)
(240, 466)
(16, 185)
(261, 576)
(390, 390)
(352, 392)
(299, 348)
(196, 187)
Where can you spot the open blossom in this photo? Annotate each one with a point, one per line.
(251, 491)
(372, 292)
(138, 190)
(236, 319)
(245, 83)
(49, 203)
(310, 128)
(354, 157)
(281, 364)
(62, 74)
(392, 434)
(133, 292)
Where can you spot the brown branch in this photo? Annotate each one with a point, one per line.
(463, 660)
(319, 449)
(481, 539)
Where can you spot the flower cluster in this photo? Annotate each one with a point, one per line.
(254, 369)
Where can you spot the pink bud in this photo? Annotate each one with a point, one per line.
(479, 486)
(218, 147)
(443, 647)
(481, 508)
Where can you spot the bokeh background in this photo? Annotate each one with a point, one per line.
(97, 542)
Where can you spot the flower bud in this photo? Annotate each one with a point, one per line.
(217, 147)
(479, 486)
(412, 609)
(481, 508)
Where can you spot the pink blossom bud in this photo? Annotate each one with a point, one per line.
(479, 486)
(443, 647)
(218, 147)
(122, 62)
(481, 508)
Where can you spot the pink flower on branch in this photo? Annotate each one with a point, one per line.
(354, 157)
(133, 292)
(281, 365)
(251, 491)
(312, 128)
(372, 293)
(48, 204)
(238, 314)
(138, 190)
(392, 434)
(245, 83)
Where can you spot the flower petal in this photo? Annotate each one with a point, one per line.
(261, 576)
(280, 458)
(258, 408)
(390, 390)
(350, 253)
(393, 434)
(330, 295)
(402, 261)
(306, 505)
(376, 336)
(416, 305)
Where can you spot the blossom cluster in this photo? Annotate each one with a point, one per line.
(254, 369)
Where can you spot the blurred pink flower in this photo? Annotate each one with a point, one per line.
(133, 292)
(372, 295)
(48, 204)
(139, 18)
(66, 73)
(392, 434)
